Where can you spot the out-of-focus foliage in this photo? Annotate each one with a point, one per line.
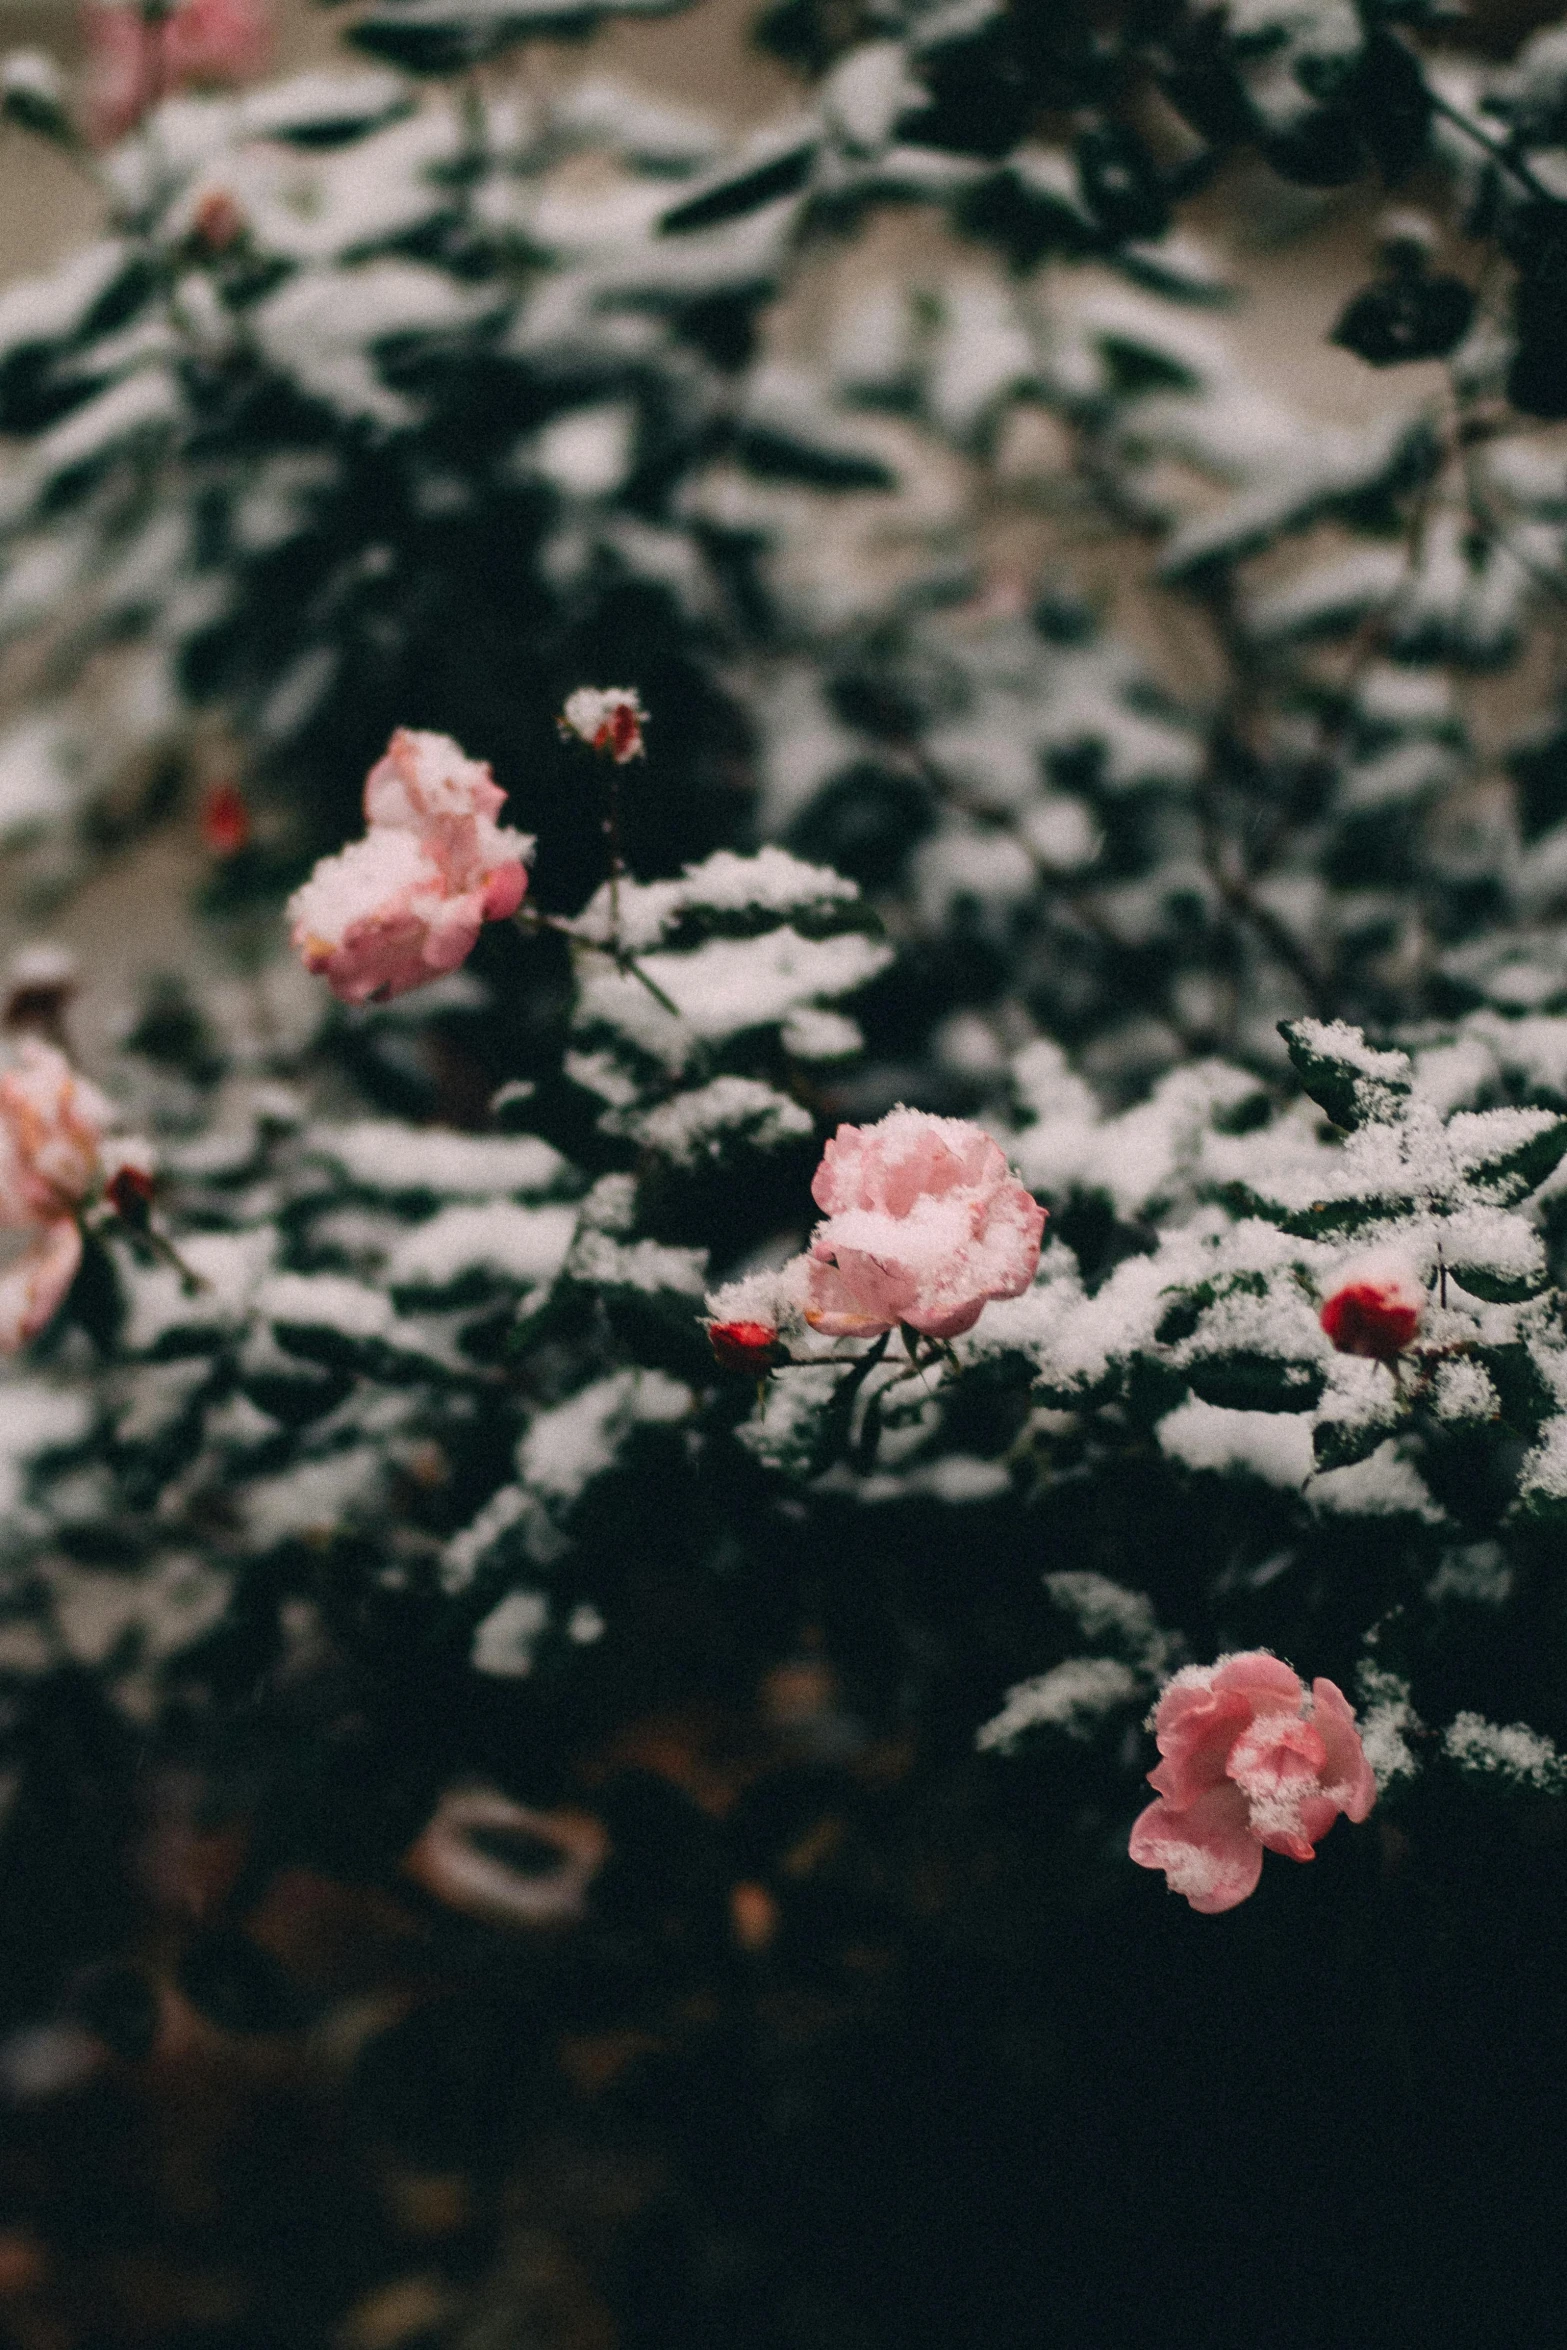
(406, 396)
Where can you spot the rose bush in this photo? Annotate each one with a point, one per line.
(662, 1790)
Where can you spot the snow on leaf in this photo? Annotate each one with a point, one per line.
(1073, 1697)
(384, 1157)
(575, 1442)
(1275, 1446)
(496, 1242)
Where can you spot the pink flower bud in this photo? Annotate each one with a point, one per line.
(751, 1348)
(129, 1193)
(217, 222)
(1374, 1307)
(925, 1223)
(1251, 1763)
(607, 718)
(394, 910)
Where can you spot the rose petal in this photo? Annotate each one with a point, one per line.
(33, 1289)
(1348, 1778)
(1206, 1849)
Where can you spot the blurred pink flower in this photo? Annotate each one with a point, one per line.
(33, 1286)
(52, 1126)
(394, 910)
(134, 60)
(1375, 1305)
(51, 1158)
(925, 1223)
(1250, 1762)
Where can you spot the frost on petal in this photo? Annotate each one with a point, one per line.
(1195, 1730)
(423, 779)
(1240, 1740)
(34, 1287)
(394, 910)
(365, 918)
(1277, 1763)
(925, 1223)
(1347, 1776)
(1206, 1850)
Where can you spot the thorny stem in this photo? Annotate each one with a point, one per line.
(617, 862)
(529, 918)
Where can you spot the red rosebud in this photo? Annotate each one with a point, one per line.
(225, 820)
(129, 1193)
(607, 718)
(217, 222)
(750, 1348)
(1375, 1309)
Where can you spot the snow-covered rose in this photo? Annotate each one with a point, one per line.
(396, 909)
(1375, 1304)
(133, 60)
(925, 1223)
(749, 1320)
(1250, 1763)
(607, 718)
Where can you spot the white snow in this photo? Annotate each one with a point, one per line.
(1074, 1697)
(1275, 1446)
(382, 1155)
(577, 1441)
(499, 1239)
(504, 1642)
(1515, 1752)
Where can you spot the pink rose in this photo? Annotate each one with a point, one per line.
(132, 62)
(394, 910)
(1250, 1761)
(51, 1158)
(52, 1125)
(34, 1285)
(925, 1223)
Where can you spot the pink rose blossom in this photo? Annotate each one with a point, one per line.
(33, 1286)
(394, 910)
(1250, 1762)
(1375, 1305)
(52, 1125)
(925, 1223)
(51, 1158)
(133, 62)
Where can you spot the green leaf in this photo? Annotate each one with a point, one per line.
(1498, 1289)
(1527, 1400)
(780, 456)
(1338, 1444)
(1344, 1075)
(1244, 1380)
(450, 36)
(1518, 1166)
(736, 191)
